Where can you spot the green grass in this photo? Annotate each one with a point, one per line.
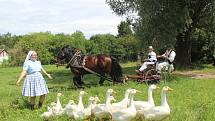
(191, 99)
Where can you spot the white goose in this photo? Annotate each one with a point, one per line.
(49, 113)
(126, 114)
(104, 110)
(80, 102)
(96, 100)
(123, 103)
(145, 105)
(87, 111)
(158, 113)
(68, 108)
(71, 102)
(72, 109)
(57, 109)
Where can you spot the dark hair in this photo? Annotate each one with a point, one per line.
(169, 46)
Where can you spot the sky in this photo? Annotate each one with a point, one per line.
(21, 17)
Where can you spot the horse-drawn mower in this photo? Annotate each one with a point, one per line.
(149, 75)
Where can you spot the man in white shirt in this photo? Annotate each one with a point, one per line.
(169, 57)
(150, 60)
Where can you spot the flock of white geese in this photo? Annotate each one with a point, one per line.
(125, 110)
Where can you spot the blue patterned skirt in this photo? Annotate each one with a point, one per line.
(34, 85)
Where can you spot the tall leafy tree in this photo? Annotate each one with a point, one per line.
(78, 40)
(7, 41)
(106, 44)
(38, 42)
(130, 45)
(124, 29)
(169, 21)
(128, 40)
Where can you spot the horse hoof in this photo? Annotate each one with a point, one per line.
(101, 84)
(80, 87)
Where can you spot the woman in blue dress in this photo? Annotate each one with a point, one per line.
(34, 83)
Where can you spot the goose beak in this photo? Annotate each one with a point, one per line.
(170, 89)
(99, 100)
(96, 98)
(60, 94)
(138, 91)
(113, 93)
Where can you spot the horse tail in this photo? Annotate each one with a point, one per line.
(116, 71)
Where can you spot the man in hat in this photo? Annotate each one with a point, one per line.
(150, 60)
(169, 57)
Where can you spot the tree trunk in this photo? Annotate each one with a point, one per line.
(183, 50)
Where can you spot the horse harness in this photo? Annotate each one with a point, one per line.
(78, 62)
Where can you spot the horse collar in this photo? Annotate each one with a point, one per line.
(73, 57)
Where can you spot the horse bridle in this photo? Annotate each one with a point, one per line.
(70, 59)
(76, 53)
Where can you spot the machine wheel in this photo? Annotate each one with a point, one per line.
(148, 78)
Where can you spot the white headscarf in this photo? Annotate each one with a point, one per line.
(28, 57)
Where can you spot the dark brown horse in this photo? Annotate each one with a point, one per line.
(87, 64)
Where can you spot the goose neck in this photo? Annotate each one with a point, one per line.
(126, 95)
(80, 101)
(107, 101)
(150, 97)
(58, 100)
(131, 102)
(164, 99)
(90, 102)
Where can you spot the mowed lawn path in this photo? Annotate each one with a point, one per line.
(193, 99)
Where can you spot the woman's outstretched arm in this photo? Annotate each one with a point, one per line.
(22, 74)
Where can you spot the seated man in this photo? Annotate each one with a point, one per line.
(169, 57)
(150, 60)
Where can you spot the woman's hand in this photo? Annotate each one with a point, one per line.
(22, 74)
(17, 83)
(165, 57)
(161, 56)
(49, 76)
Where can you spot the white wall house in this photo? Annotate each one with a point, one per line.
(3, 55)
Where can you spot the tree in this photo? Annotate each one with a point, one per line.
(7, 41)
(38, 42)
(124, 29)
(106, 44)
(130, 45)
(168, 22)
(78, 40)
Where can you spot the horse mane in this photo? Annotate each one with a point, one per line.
(70, 48)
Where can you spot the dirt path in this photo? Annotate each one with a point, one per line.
(196, 75)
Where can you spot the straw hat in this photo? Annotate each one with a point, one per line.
(150, 47)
